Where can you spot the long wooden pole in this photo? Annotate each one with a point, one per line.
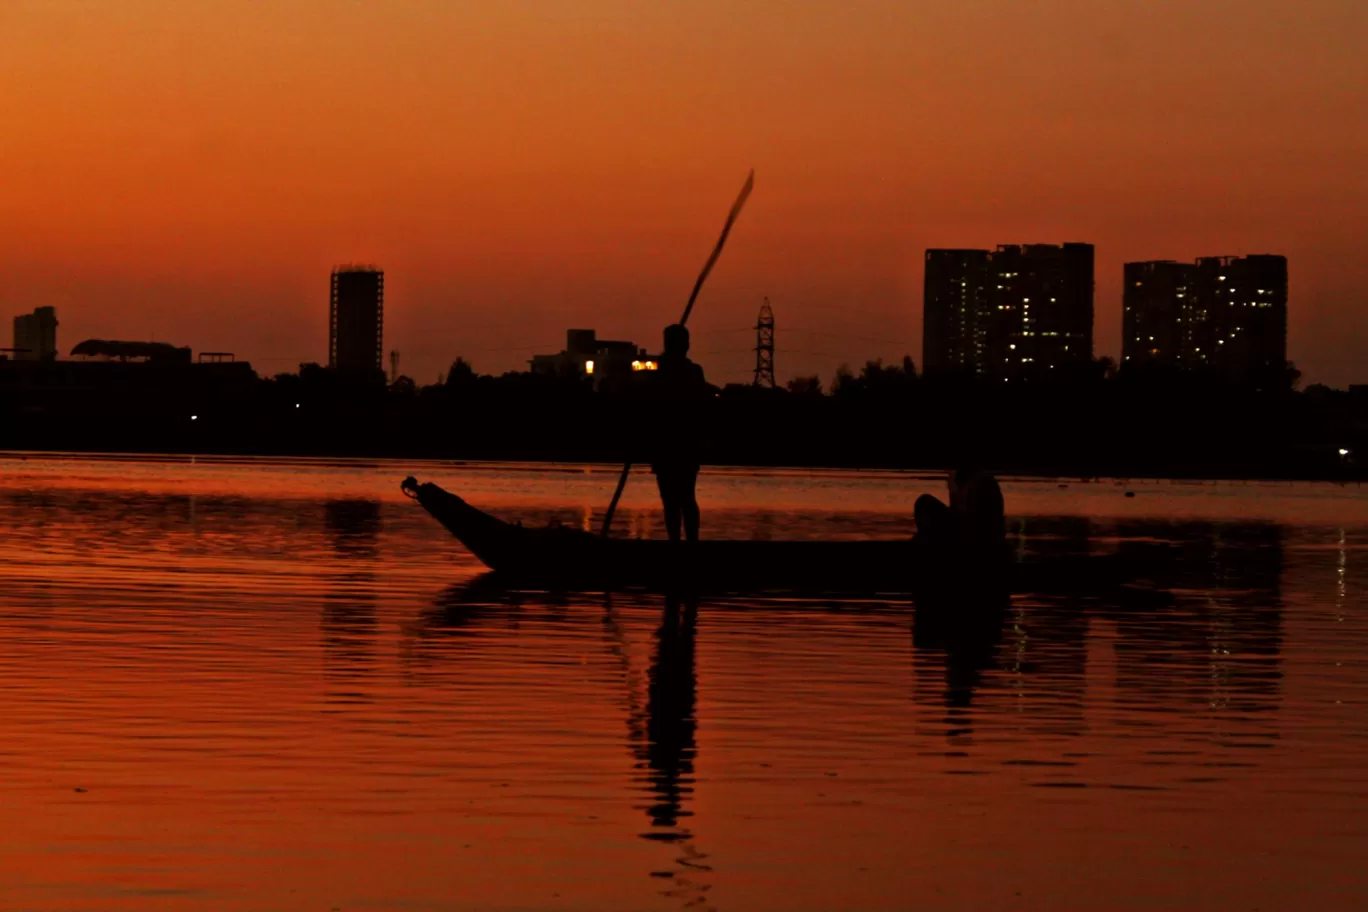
(688, 309)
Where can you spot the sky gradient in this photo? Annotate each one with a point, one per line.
(190, 172)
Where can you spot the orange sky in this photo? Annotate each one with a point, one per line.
(190, 172)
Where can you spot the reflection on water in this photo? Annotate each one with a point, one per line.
(666, 739)
(257, 686)
(349, 604)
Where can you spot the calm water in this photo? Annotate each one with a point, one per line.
(257, 685)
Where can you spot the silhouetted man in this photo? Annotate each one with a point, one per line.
(680, 391)
(971, 532)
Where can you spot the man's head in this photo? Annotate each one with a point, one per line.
(676, 340)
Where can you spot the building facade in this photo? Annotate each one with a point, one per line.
(1243, 303)
(1225, 316)
(1042, 310)
(35, 335)
(1158, 303)
(586, 355)
(1019, 312)
(356, 324)
(955, 311)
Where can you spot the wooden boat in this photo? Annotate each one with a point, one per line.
(558, 557)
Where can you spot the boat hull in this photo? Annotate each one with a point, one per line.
(556, 557)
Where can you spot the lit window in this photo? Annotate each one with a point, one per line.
(588, 367)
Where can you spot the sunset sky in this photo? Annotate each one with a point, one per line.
(191, 171)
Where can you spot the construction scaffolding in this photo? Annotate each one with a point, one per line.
(764, 347)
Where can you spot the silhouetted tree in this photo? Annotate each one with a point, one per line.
(461, 373)
(843, 384)
(876, 379)
(806, 386)
(1291, 376)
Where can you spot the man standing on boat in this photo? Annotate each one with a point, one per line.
(679, 394)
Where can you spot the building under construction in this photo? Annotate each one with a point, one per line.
(764, 347)
(356, 319)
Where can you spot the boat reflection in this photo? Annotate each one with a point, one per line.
(1208, 641)
(1013, 683)
(1219, 645)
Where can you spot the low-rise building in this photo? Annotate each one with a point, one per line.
(586, 355)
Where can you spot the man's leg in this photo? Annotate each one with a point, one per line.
(669, 500)
(688, 482)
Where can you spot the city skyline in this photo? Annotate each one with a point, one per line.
(520, 175)
(968, 327)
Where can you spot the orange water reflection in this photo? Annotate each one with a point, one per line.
(261, 685)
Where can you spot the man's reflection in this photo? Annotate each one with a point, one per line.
(964, 637)
(668, 751)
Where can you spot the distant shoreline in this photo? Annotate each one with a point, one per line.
(609, 467)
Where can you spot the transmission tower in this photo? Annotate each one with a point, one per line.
(764, 347)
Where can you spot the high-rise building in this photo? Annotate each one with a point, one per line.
(1221, 315)
(1041, 310)
(356, 327)
(1158, 303)
(955, 311)
(35, 335)
(1242, 303)
(1015, 312)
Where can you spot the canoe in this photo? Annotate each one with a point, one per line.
(559, 557)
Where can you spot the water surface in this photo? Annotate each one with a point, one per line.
(256, 684)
